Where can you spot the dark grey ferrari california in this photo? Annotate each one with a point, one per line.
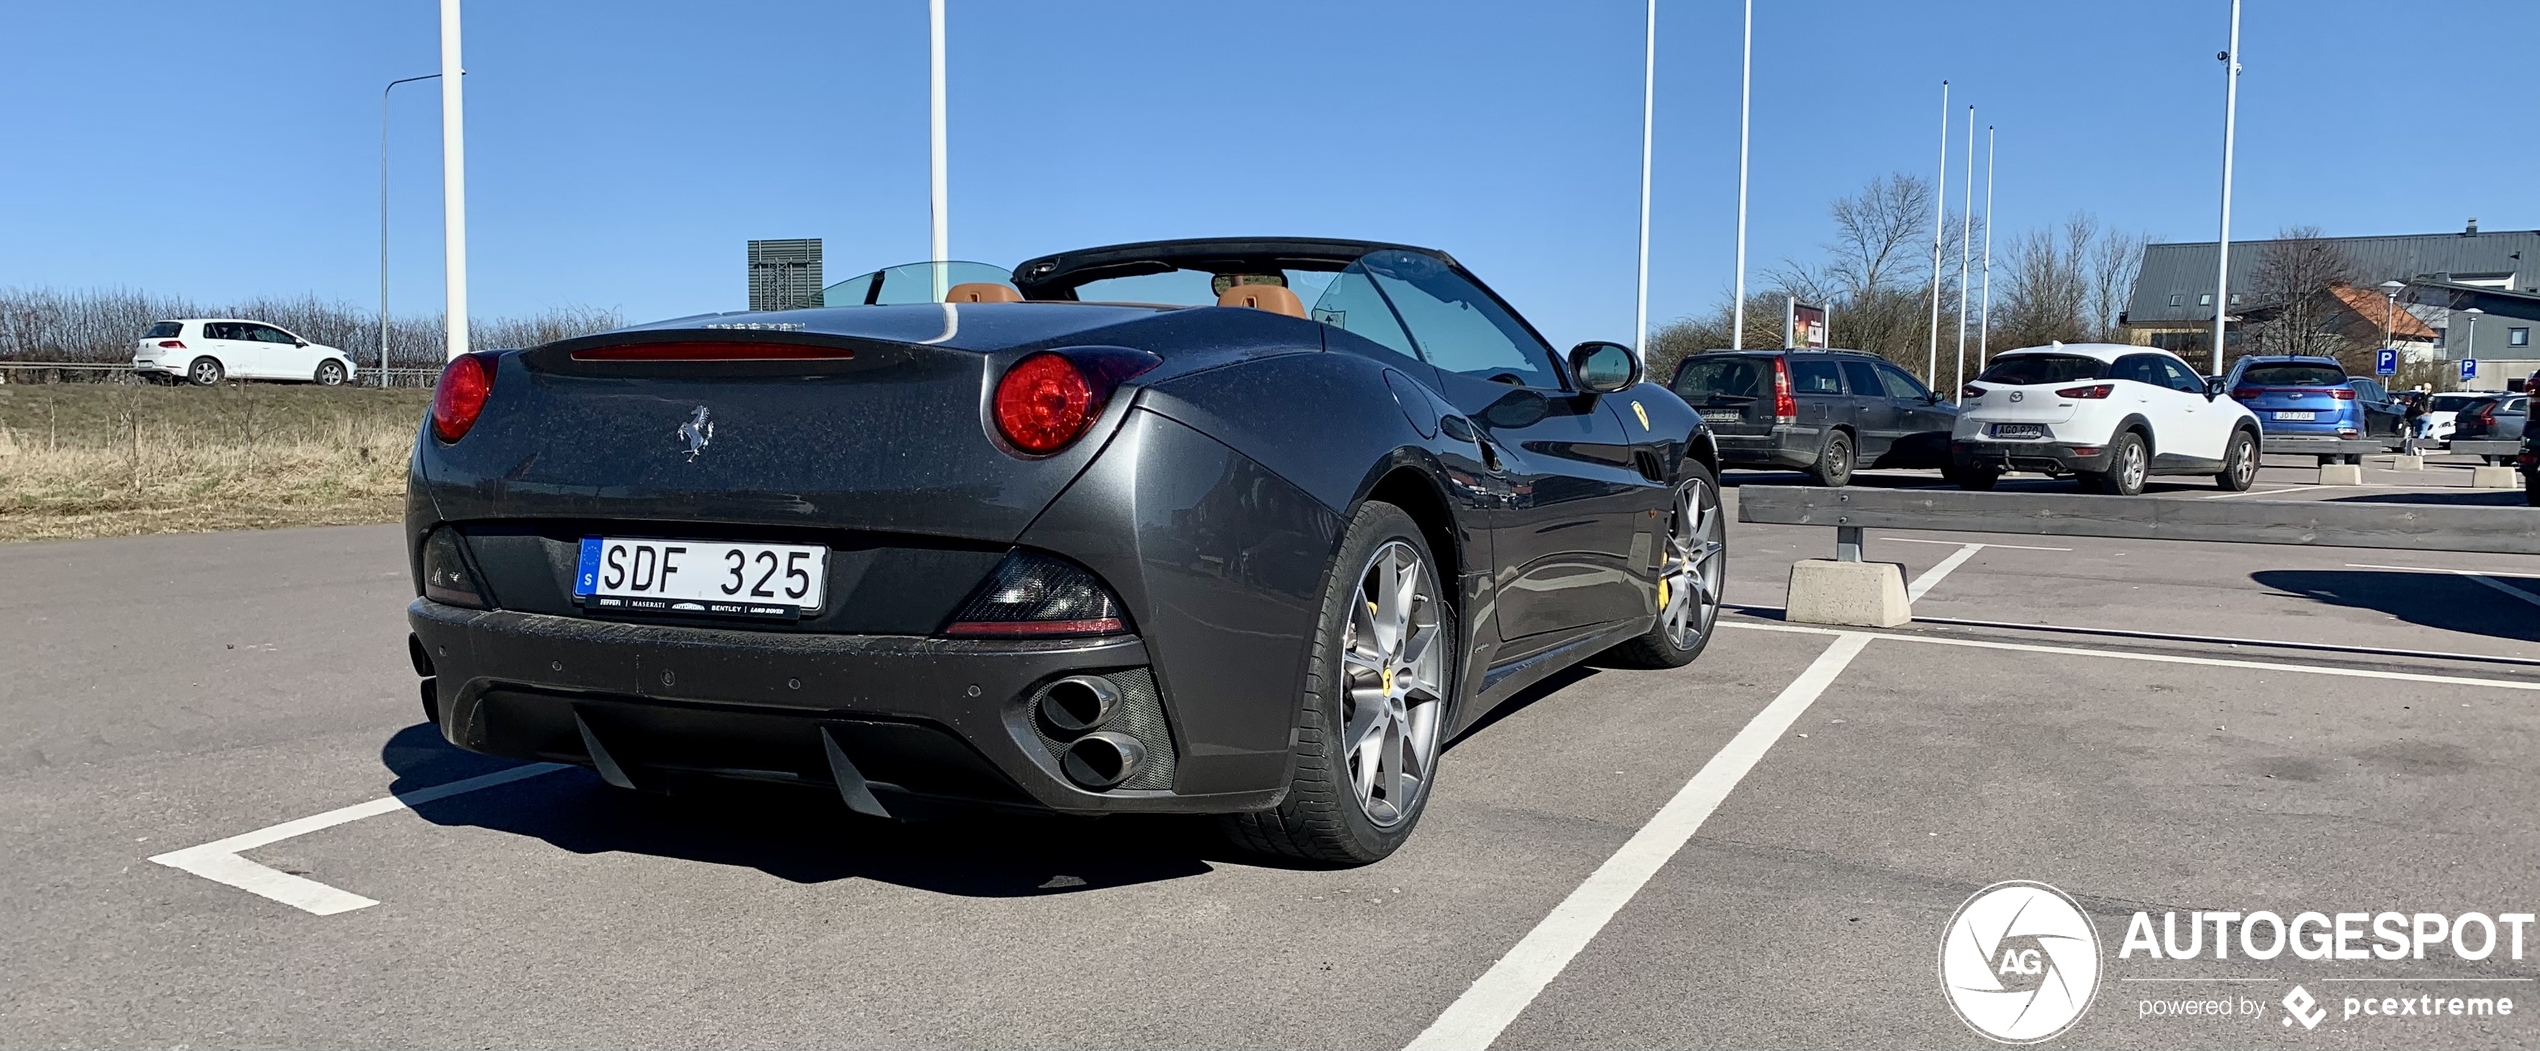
(1247, 527)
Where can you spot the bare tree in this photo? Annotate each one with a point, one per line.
(2114, 259)
(2288, 307)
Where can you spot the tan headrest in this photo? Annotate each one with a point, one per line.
(981, 292)
(1272, 298)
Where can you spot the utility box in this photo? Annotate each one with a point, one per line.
(785, 274)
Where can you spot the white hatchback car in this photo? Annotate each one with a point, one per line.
(2107, 414)
(206, 351)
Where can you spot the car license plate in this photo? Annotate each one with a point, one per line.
(2297, 415)
(2019, 430)
(700, 576)
(1722, 416)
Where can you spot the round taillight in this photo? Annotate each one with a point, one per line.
(1043, 403)
(460, 396)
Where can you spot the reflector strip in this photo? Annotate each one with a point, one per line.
(695, 351)
(1104, 626)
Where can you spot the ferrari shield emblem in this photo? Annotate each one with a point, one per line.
(1642, 413)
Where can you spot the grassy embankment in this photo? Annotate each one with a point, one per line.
(110, 459)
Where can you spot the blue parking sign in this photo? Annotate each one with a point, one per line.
(2469, 369)
(2385, 362)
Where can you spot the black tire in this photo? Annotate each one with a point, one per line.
(330, 373)
(2240, 464)
(205, 372)
(1833, 468)
(1665, 646)
(2356, 459)
(1322, 819)
(1980, 479)
(2129, 463)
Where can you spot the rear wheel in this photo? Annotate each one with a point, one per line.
(2240, 464)
(1692, 568)
(205, 372)
(330, 373)
(1374, 706)
(1834, 463)
(2129, 463)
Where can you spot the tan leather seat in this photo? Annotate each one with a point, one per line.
(981, 292)
(1273, 298)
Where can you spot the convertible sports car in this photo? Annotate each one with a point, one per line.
(1135, 530)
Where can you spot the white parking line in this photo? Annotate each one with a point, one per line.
(2012, 547)
(2483, 578)
(2156, 658)
(219, 862)
(1932, 577)
(1502, 993)
(2265, 492)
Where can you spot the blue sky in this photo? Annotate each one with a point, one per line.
(621, 152)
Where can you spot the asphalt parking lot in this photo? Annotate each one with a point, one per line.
(1778, 834)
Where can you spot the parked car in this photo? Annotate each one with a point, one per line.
(2441, 409)
(205, 351)
(2307, 402)
(1825, 412)
(1134, 530)
(2108, 415)
(2494, 418)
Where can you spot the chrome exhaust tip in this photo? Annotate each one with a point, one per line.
(1078, 703)
(1102, 760)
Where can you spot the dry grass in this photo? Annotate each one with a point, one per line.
(86, 460)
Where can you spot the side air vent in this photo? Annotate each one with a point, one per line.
(1647, 463)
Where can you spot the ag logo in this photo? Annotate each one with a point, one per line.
(2019, 962)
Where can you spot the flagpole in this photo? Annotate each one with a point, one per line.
(1966, 250)
(1745, 95)
(1939, 215)
(2222, 237)
(1648, 109)
(1984, 307)
(939, 207)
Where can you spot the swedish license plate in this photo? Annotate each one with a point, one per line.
(2297, 415)
(707, 577)
(1722, 416)
(2019, 430)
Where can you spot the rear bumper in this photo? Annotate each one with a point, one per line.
(922, 720)
(2048, 457)
(1785, 446)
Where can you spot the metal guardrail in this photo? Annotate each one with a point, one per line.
(36, 372)
(2407, 527)
(2487, 448)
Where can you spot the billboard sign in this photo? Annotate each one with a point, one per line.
(1805, 325)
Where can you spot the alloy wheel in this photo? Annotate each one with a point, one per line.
(2130, 469)
(1394, 657)
(2244, 467)
(206, 373)
(1689, 579)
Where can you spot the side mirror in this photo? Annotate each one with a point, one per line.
(1599, 367)
(299, 342)
(2213, 387)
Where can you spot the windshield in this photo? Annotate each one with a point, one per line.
(1193, 288)
(2293, 374)
(912, 283)
(1728, 376)
(2023, 370)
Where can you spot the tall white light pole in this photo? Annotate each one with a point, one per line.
(1745, 95)
(2222, 241)
(1648, 111)
(938, 200)
(1939, 215)
(453, 185)
(1984, 302)
(1966, 250)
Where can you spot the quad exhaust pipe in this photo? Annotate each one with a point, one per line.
(1078, 703)
(1102, 760)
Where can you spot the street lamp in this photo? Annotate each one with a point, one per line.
(383, 219)
(2470, 348)
(2390, 311)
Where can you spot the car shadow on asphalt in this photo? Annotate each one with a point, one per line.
(2444, 601)
(2462, 498)
(806, 836)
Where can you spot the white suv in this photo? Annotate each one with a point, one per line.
(209, 350)
(2107, 414)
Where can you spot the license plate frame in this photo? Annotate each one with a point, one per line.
(2296, 415)
(771, 581)
(2019, 431)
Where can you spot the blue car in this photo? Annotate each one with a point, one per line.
(2302, 397)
